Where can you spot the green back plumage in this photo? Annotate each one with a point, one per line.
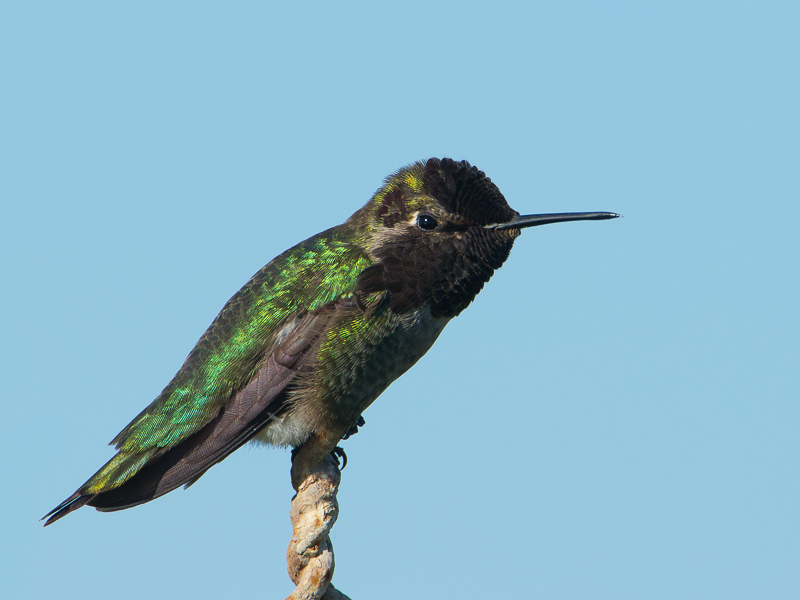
(313, 273)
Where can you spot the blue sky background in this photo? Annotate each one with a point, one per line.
(616, 416)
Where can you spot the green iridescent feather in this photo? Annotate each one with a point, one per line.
(320, 270)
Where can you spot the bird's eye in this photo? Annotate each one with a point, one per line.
(427, 222)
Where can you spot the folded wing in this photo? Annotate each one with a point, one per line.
(247, 411)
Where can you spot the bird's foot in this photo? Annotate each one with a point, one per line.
(337, 453)
(354, 429)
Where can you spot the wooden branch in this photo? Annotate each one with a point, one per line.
(310, 553)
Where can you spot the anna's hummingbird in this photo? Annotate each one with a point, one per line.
(315, 336)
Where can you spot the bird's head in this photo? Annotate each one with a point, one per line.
(437, 230)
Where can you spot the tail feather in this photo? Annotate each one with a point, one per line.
(185, 463)
(74, 502)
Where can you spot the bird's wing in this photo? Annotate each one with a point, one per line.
(235, 378)
(158, 471)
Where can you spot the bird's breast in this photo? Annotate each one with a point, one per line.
(357, 361)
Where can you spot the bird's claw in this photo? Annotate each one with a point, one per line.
(337, 453)
(354, 429)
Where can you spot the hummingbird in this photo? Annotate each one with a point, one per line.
(296, 356)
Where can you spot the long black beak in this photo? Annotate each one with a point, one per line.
(522, 221)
